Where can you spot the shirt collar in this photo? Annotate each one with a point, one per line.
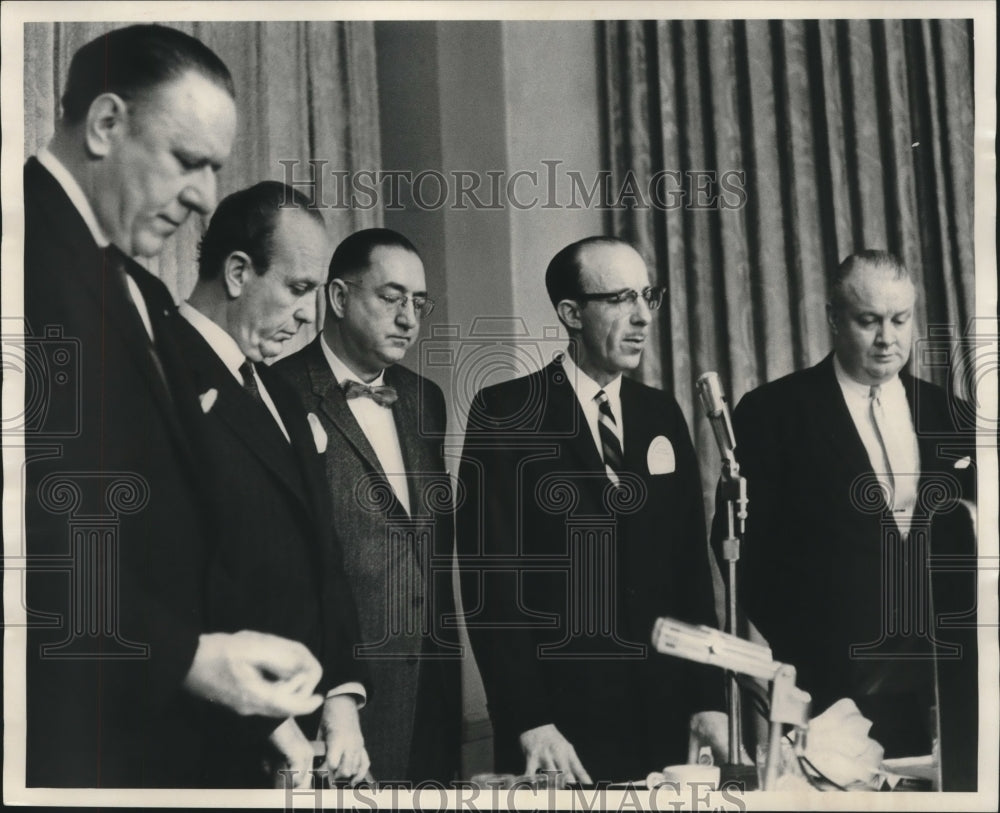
(341, 371)
(585, 387)
(75, 194)
(855, 389)
(222, 343)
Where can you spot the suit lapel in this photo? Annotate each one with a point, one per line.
(635, 424)
(104, 285)
(124, 312)
(248, 419)
(300, 435)
(564, 418)
(405, 414)
(334, 405)
(834, 421)
(836, 426)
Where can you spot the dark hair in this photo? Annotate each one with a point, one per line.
(354, 253)
(246, 221)
(562, 277)
(131, 61)
(875, 259)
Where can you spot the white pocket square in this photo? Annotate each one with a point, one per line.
(964, 463)
(207, 399)
(660, 456)
(319, 436)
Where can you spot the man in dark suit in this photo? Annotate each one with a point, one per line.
(116, 521)
(855, 471)
(392, 499)
(581, 523)
(275, 566)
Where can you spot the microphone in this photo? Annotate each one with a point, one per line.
(717, 410)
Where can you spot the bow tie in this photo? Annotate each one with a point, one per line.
(383, 396)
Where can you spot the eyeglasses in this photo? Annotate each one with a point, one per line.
(393, 301)
(653, 295)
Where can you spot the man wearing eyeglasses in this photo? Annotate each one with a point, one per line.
(391, 498)
(581, 491)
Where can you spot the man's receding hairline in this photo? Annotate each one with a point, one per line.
(864, 270)
(151, 100)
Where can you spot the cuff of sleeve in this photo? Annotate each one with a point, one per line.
(354, 688)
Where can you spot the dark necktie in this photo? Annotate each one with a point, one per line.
(119, 263)
(383, 396)
(611, 447)
(250, 381)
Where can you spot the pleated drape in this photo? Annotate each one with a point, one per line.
(848, 134)
(305, 90)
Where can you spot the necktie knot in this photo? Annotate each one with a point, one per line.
(874, 392)
(383, 396)
(604, 406)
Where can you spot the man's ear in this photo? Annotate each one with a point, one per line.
(831, 317)
(235, 270)
(106, 123)
(336, 294)
(569, 312)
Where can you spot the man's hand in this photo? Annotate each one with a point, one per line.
(346, 757)
(711, 728)
(297, 753)
(255, 673)
(548, 750)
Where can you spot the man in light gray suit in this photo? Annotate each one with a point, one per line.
(391, 499)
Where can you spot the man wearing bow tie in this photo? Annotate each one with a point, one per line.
(276, 565)
(856, 470)
(581, 524)
(117, 523)
(392, 498)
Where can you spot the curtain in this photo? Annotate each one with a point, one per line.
(795, 143)
(304, 90)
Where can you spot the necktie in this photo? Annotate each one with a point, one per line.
(118, 263)
(611, 447)
(383, 396)
(900, 474)
(882, 432)
(250, 381)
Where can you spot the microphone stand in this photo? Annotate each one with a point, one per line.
(733, 489)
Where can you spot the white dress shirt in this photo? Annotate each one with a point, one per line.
(586, 390)
(898, 434)
(229, 352)
(378, 425)
(79, 200)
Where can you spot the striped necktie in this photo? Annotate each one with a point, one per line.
(611, 447)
